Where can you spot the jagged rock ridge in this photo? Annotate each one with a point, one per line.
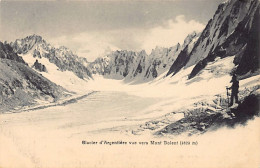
(62, 57)
(140, 66)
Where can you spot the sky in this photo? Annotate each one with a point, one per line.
(93, 28)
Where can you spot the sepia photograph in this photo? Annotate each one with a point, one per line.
(129, 84)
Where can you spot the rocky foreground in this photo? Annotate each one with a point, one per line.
(204, 116)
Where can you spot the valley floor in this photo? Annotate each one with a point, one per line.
(52, 137)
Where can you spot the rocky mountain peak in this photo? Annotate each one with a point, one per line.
(62, 57)
(142, 52)
(34, 37)
(189, 38)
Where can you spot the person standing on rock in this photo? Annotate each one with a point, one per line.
(234, 89)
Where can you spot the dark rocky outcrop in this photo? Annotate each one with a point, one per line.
(184, 56)
(40, 67)
(199, 121)
(180, 62)
(7, 52)
(249, 61)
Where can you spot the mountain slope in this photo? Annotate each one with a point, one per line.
(231, 32)
(243, 42)
(20, 85)
(183, 56)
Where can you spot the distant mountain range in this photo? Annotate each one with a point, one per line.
(139, 66)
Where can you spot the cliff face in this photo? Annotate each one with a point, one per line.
(231, 32)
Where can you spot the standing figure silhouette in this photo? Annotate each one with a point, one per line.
(234, 89)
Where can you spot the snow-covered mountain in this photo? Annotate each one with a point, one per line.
(34, 48)
(139, 66)
(233, 31)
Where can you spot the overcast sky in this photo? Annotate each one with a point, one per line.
(91, 28)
